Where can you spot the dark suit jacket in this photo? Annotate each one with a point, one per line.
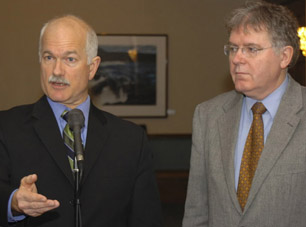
(118, 187)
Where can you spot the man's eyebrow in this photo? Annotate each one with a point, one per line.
(71, 52)
(246, 44)
(47, 52)
(65, 53)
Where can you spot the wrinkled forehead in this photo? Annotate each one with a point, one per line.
(246, 36)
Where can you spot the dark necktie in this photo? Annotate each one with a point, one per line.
(69, 141)
(251, 154)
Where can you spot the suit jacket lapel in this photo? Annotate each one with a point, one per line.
(228, 127)
(284, 125)
(96, 137)
(47, 130)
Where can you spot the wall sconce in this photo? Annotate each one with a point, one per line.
(302, 35)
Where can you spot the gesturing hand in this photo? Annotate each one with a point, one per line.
(27, 201)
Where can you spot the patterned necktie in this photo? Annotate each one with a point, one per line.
(69, 141)
(251, 154)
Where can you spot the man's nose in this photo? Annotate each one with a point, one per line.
(239, 57)
(58, 68)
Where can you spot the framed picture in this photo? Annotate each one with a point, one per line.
(131, 80)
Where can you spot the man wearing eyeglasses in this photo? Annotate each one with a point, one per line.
(248, 162)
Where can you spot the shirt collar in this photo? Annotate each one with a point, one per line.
(272, 101)
(59, 108)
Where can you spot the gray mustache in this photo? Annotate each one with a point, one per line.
(58, 79)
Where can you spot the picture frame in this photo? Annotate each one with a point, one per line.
(131, 80)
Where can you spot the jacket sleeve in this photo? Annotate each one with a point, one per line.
(196, 206)
(5, 188)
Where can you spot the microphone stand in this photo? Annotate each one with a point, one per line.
(78, 174)
(76, 122)
(77, 202)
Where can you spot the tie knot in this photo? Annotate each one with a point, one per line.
(64, 114)
(258, 108)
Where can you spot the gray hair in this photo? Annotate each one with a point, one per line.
(277, 20)
(91, 39)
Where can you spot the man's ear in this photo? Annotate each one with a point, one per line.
(93, 67)
(286, 56)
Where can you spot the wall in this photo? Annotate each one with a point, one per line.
(198, 69)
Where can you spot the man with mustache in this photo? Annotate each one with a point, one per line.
(118, 187)
(248, 162)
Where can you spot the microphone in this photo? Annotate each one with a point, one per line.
(76, 119)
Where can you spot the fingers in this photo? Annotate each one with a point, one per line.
(24, 195)
(37, 208)
(28, 183)
(26, 199)
(29, 180)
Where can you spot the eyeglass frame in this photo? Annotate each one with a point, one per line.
(247, 51)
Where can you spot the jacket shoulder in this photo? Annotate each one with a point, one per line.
(219, 101)
(116, 123)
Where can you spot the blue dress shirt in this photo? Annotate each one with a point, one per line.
(271, 102)
(57, 109)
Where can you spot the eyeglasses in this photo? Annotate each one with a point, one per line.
(247, 51)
